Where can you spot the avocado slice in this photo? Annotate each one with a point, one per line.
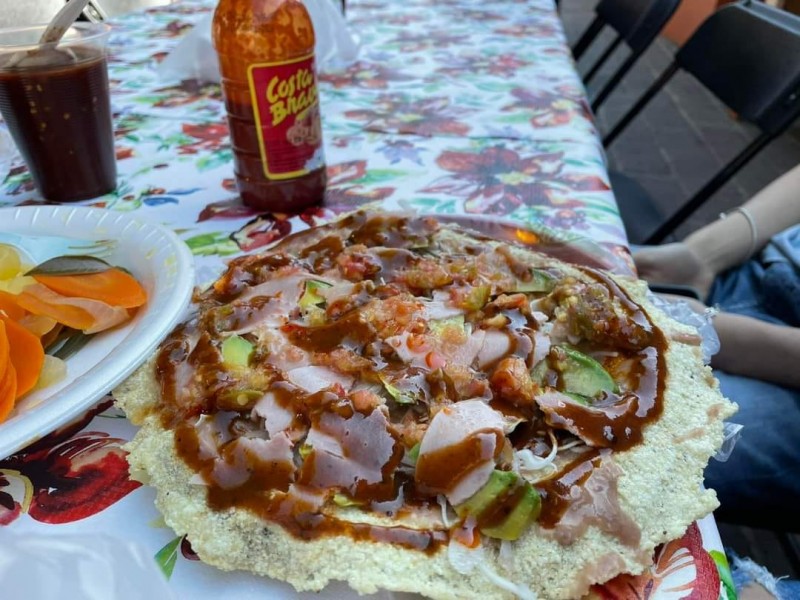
(539, 371)
(527, 509)
(437, 327)
(499, 483)
(236, 351)
(399, 396)
(311, 296)
(477, 297)
(413, 454)
(583, 375)
(540, 281)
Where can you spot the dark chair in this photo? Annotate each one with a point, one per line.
(748, 56)
(636, 22)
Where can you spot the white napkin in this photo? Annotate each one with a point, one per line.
(194, 57)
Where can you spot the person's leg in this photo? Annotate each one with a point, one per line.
(760, 482)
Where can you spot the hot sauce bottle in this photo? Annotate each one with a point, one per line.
(266, 56)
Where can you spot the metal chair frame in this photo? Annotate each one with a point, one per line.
(772, 120)
(637, 33)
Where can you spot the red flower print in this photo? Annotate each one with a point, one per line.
(345, 172)
(482, 15)
(531, 30)
(15, 495)
(503, 65)
(66, 476)
(551, 108)
(340, 197)
(679, 567)
(365, 75)
(427, 116)
(209, 136)
(261, 231)
(173, 29)
(187, 551)
(123, 153)
(497, 180)
(312, 216)
(416, 42)
(227, 209)
(565, 218)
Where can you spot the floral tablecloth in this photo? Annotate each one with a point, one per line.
(454, 107)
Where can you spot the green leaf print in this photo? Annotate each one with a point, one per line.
(168, 556)
(379, 176)
(434, 205)
(214, 160)
(728, 588)
(148, 100)
(209, 244)
(493, 87)
(522, 117)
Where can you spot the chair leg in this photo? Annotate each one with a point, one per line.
(588, 37)
(710, 188)
(609, 51)
(640, 104)
(614, 81)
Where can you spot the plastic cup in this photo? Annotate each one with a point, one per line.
(56, 103)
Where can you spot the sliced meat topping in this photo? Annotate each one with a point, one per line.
(346, 452)
(277, 417)
(258, 463)
(458, 451)
(585, 494)
(496, 345)
(279, 352)
(312, 379)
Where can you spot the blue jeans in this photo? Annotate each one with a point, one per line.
(760, 482)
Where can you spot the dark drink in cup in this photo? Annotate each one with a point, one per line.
(56, 104)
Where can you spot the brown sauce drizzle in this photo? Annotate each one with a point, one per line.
(323, 254)
(618, 421)
(325, 338)
(441, 470)
(556, 492)
(651, 376)
(265, 495)
(267, 491)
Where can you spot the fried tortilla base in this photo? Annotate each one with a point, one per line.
(661, 489)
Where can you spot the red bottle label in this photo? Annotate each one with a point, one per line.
(287, 117)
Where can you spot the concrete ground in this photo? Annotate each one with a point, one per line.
(682, 138)
(673, 147)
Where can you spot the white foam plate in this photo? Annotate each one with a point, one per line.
(163, 265)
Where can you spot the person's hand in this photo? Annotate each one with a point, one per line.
(674, 264)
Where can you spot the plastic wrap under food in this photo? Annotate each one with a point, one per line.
(682, 312)
(58, 566)
(560, 244)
